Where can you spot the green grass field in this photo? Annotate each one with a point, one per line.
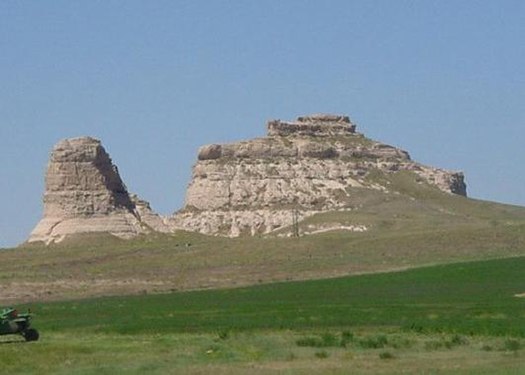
(465, 298)
(460, 318)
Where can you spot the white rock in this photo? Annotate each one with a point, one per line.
(310, 165)
(85, 194)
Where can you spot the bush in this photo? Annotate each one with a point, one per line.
(448, 344)
(400, 343)
(329, 339)
(326, 340)
(224, 334)
(512, 345)
(386, 355)
(458, 340)
(376, 342)
(434, 345)
(346, 337)
(314, 342)
(416, 328)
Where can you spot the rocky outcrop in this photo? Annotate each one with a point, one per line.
(311, 165)
(313, 125)
(84, 193)
(315, 164)
(149, 219)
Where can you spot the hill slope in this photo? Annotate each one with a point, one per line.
(413, 225)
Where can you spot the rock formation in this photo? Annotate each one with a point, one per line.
(313, 125)
(84, 193)
(315, 164)
(311, 165)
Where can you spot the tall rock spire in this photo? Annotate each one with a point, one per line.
(84, 193)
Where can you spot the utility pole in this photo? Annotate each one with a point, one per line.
(295, 220)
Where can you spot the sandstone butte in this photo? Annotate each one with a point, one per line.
(301, 168)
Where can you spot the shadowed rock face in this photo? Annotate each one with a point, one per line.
(84, 193)
(311, 165)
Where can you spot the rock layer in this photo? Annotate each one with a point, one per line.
(313, 125)
(84, 193)
(309, 165)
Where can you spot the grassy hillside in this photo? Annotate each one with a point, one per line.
(411, 224)
(451, 319)
(477, 298)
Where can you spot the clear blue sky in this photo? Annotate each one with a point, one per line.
(154, 80)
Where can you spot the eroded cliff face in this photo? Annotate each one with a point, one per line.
(84, 193)
(308, 166)
(315, 164)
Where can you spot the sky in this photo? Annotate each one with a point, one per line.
(154, 80)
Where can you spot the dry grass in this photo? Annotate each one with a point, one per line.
(257, 353)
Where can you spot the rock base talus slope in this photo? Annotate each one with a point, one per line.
(310, 165)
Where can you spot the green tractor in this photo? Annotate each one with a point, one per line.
(12, 322)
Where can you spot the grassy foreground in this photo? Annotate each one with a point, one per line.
(460, 319)
(268, 352)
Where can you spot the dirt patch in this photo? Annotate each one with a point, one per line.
(60, 289)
